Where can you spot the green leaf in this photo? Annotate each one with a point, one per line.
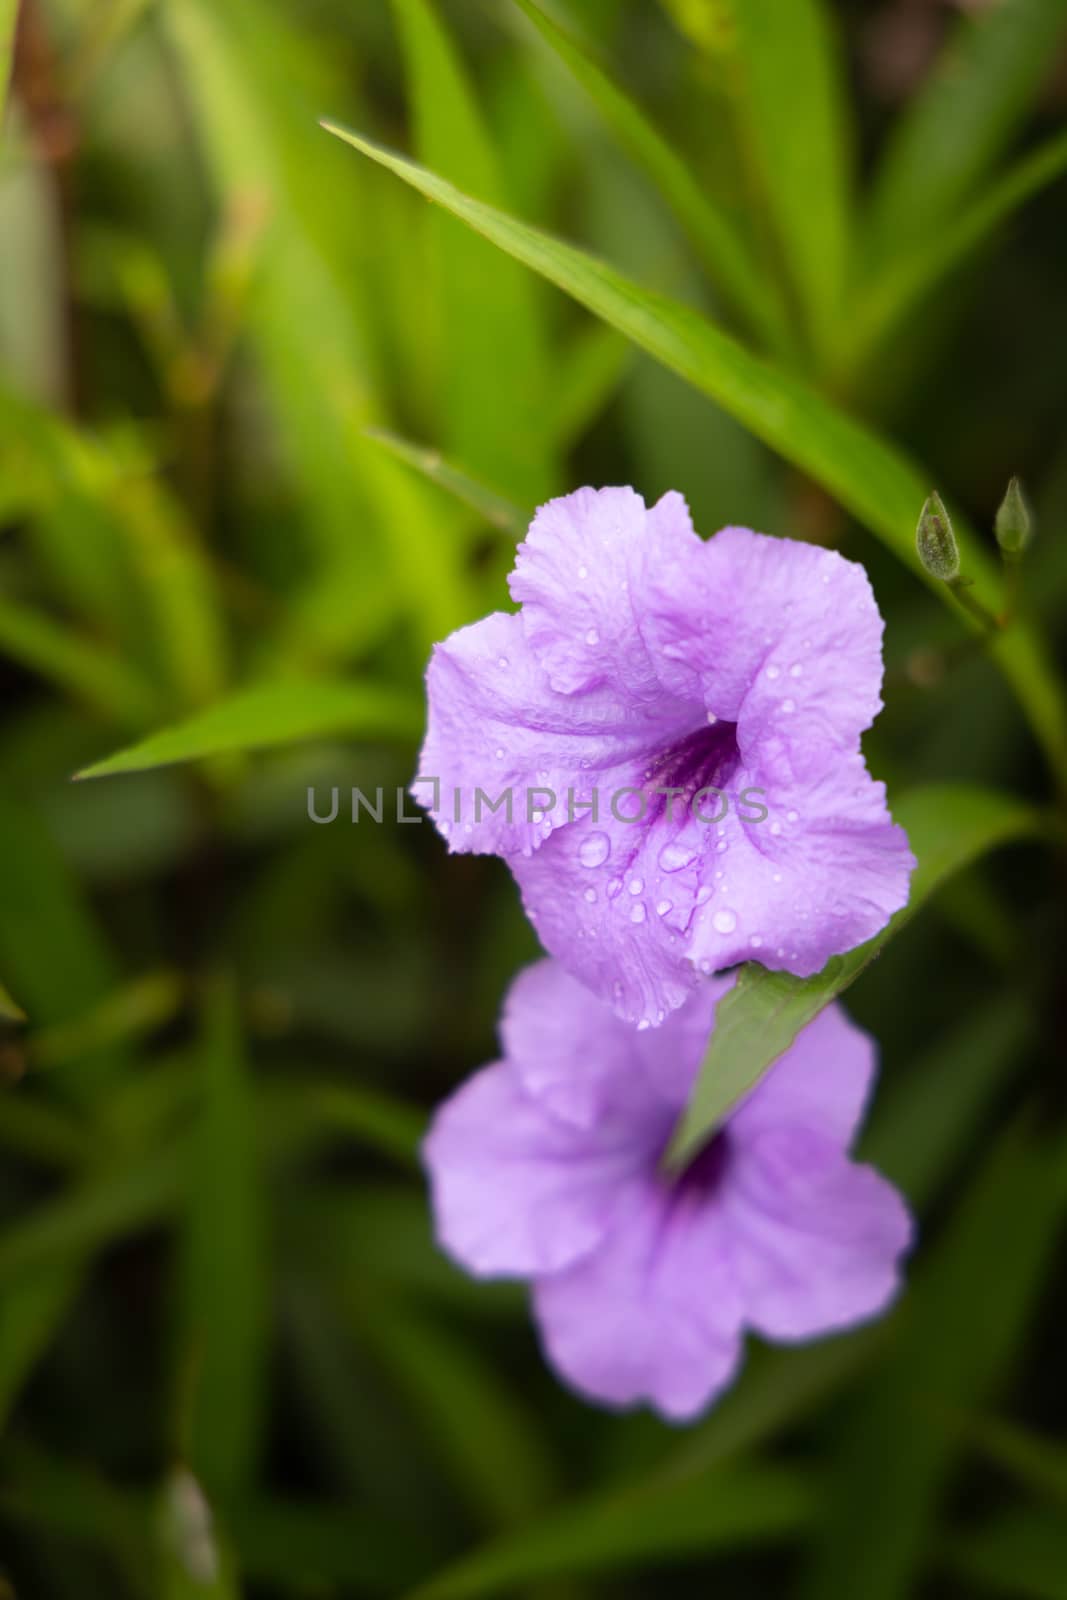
(32, 1310)
(795, 123)
(868, 476)
(948, 826)
(9, 10)
(491, 350)
(309, 331)
(914, 272)
(80, 667)
(432, 465)
(224, 1267)
(9, 1011)
(965, 1324)
(1020, 1553)
(269, 714)
(51, 950)
(722, 249)
(1036, 1462)
(966, 113)
(720, 1510)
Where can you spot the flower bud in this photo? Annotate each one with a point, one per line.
(936, 542)
(1013, 525)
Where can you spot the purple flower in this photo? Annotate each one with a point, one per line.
(546, 1166)
(716, 690)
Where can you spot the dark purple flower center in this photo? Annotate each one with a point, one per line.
(705, 1172)
(706, 759)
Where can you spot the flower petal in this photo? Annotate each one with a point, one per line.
(497, 726)
(781, 637)
(817, 1238)
(822, 1083)
(573, 577)
(515, 1190)
(653, 1314)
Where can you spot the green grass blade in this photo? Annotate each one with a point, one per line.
(718, 1511)
(270, 714)
(496, 508)
(224, 1267)
(31, 1312)
(964, 1325)
(1020, 1553)
(51, 950)
(795, 123)
(102, 679)
(963, 117)
(9, 1011)
(865, 474)
(913, 273)
(491, 349)
(948, 826)
(9, 11)
(722, 249)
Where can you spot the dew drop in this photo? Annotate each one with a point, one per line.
(795, 670)
(663, 907)
(594, 851)
(636, 885)
(590, 895)
(583, 572)
(774, 672)
(777, 877)
(789, 705)
(613, 887)
(755, 941)
(705, 967)
(500, 755)
(792, 816)
(644, 1024)
(673, 857)
(776, 828)
(722, 846)
(704, 893)
(638, 913)
(503, 661)
(712, 719)
(724, 921)
(592, 637)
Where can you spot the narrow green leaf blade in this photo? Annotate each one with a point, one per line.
(224, 1266)
(269, 714)
(1021, 1553)
(948, 826)
(9, 11)
(496, 508)
(9, 1011)
(868, 476)
(795, 121)
(723, 251)
(964, 116)
(914, 272)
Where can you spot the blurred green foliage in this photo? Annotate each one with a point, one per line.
(270, 425)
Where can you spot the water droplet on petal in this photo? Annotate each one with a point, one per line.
(724, 921)
(795, 670)
(792, 816)
(503, 661)
(774, 672)
(636, 885)
(663, 907)
(583, 572)
(712, 719)
(644, 1024)
(789, 705)
(722, 846)
(673, 857)
(594, 851)
(776, 828)
(704, 893)
(755, 941)
(638, 913)
(613, 887)
(500, 755)
(592, 637)
(777, 877)
(590, 895)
